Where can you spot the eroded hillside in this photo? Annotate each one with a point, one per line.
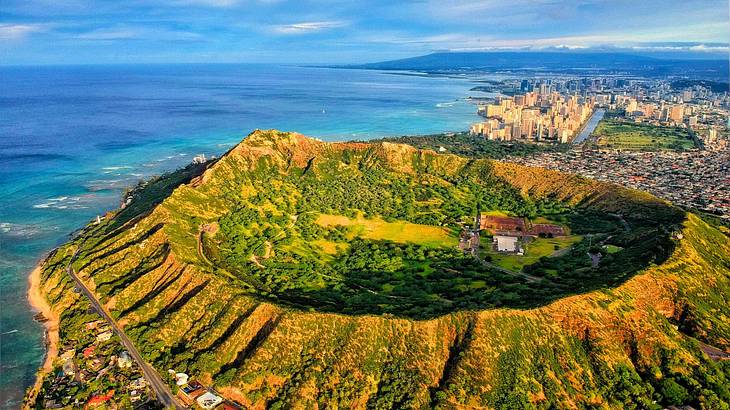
(241, 279)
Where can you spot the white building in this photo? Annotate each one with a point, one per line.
(209, 400)
(507, 243)
(124, 361)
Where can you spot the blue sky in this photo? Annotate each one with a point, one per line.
(306, 31)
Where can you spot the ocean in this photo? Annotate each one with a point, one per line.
(72, 138)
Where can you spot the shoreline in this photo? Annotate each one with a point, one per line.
(51, 324)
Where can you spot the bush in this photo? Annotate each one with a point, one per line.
(673, 392)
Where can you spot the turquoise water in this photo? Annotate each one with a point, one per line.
(72, 138)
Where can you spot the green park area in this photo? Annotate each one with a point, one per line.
(533, 251)
(628, 136)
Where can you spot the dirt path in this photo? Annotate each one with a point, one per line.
(560, 252)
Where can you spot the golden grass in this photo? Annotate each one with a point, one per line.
(399, 231)
(329, 247)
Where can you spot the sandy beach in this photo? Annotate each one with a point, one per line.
(40, 304)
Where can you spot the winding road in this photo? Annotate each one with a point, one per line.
(162, 390)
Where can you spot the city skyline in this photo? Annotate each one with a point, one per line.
(79, 32)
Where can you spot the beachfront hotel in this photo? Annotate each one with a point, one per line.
(534, 116)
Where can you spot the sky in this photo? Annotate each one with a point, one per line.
(340, 32)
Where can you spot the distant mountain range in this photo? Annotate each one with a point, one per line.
(574, 62)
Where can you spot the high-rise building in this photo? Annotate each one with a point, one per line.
(494, 110)
(677, 113)
(632, 106)
(712, 136)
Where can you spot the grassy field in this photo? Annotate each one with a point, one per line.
(612, 248)
(399, 231)
(627, 136)
(534, 250)
(495, 213)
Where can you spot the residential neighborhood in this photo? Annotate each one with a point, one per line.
(694, 179)
(93, 370)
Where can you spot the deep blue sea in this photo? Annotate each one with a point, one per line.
(72, 138)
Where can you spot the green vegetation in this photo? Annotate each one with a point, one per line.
(148, 194)
(300, 274)
(612, 248)
(88, 365)
(623, 135)
(533, 251)
(470, 146)
(347, 234)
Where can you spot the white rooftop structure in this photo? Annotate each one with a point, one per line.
(209, 400)
(181, 379)
(507, 243)
(124, 360)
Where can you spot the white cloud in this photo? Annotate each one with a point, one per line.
(138, 33)
(706, 48)
(640, 40)
(308, 27)
(109, 34)
(20, 31)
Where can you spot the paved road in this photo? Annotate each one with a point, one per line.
(164, 395)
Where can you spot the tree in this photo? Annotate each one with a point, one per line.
(673, 392)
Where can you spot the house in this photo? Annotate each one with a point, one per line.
(69, 369)
(135, 396)
(181, 379)
(209, 400)
(51, 404)
(85, 375)
(507, 244)
(192, 391)
(124, 361)
(95, 364)
(104, 336)
(138, 384)
(93, 325)
(89, 351)
(98, 400)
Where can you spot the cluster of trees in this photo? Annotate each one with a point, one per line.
(642, 245)
(475, 147)
(270, 241)
(389, 195)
